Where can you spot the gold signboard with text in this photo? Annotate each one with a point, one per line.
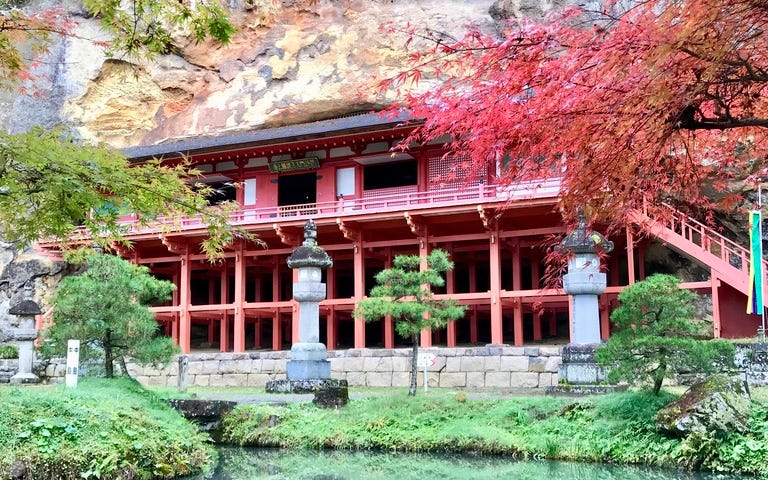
(296, 164)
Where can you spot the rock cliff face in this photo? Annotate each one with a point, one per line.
(292, 61)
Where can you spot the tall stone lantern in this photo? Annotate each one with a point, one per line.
(309, 359)
(583, 282)
(25, 335)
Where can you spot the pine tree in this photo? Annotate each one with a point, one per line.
(105, 307)
(654, 335)
(404, 292)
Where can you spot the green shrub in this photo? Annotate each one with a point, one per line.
(102, 429)
(9, 351)
(616, 428)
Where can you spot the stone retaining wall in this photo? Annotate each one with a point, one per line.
(470, 367)
(480, 367)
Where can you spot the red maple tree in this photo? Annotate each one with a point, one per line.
(662, 101)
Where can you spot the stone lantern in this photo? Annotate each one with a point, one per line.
(309, 359)
(583, 282)
(25, 335)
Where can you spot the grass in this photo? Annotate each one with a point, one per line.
(102, 429)
(617, 428)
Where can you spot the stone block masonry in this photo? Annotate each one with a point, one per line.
(462, 367)
(475, 367)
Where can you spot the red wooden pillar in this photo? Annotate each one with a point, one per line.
(359, 274)
(239, 334)
(538, 334)
(605, 321)
(330, 322)
(211, 301)
(716, 321)
(472, 308)
(173, 325)
(277, 335)
(497, 327)
(450, 288)
(224, 316)
(185, 300)
(426, 334)
(517, 284)
(553, 324)
(630, 257)
(389, 325)
(640, 261)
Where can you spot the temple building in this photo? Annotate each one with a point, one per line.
(370, 205)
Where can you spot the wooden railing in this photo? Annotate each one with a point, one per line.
(729, 259)
(380, 204)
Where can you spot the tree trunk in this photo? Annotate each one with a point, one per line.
(108, 359)
(124, 367)
(658, 377)
(414, 367)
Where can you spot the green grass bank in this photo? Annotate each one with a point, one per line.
(617, 428)
(103, 429)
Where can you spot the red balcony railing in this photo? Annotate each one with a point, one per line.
(454, 196)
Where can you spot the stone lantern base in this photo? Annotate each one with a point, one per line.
(579, 373)
(24, 379)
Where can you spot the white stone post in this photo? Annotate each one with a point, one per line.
(73, 363)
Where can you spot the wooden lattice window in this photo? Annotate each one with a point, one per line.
(453, 171)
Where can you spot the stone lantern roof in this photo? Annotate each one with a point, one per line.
(309, 254)
(583, 240)
(25, 308)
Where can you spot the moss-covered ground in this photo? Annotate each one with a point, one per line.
(617, 428)
(103, 429)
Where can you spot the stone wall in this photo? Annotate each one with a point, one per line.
(481, 367)
(471, 367)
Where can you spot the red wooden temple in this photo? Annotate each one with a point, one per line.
(370, 205)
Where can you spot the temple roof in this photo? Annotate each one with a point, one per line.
(320, 129)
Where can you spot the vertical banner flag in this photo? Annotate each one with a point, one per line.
(755, 299)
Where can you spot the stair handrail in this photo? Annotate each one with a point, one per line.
(708, 237)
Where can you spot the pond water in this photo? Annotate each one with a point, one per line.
(253, 464)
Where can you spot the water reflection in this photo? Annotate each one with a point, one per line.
(253, 464)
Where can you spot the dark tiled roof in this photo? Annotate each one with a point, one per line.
(318, 129)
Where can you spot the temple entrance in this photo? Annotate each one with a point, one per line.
(297, 194)
(297, 189)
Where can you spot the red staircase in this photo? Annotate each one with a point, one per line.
(727, 259)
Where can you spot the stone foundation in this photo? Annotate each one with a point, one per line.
(478, 367)
(466, 367)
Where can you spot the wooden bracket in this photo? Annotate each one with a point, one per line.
(350, 230)
(288, 235)
(177, 247)
(489, 217)
(416, 225)
(418, 228)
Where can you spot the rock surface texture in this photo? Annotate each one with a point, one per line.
(719, 404)
(290, 62)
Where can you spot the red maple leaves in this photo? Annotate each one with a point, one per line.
(664, 101)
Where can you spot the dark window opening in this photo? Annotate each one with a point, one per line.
(222, 192)
(390, 175)
(296, 189)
